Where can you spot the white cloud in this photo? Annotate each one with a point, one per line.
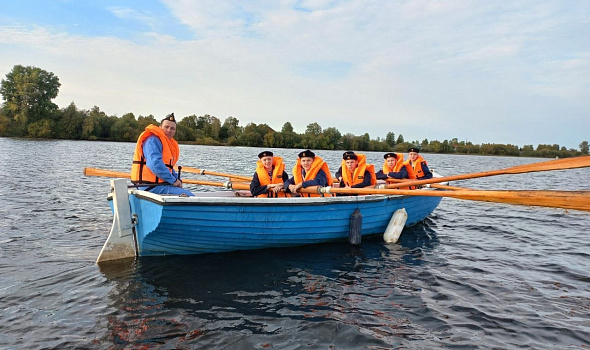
(426, 69)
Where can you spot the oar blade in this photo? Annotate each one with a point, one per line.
(555, 164)
(575, 200)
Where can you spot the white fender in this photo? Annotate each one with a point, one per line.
(395, 226)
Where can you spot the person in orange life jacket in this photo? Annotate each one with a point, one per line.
(338, 173)
(355, 172)
(393, 167)
(270, 175)
(418, 164)
(156, 153)
(309, 170)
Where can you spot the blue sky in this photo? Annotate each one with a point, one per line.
(514, 72)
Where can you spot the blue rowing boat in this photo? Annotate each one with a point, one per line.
(148, 224)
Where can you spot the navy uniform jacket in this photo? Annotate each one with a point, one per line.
(401, 174)
(321, 179)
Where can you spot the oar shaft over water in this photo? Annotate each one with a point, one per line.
(120, 174)
(576, 200)
(188, 169)
(558, 164)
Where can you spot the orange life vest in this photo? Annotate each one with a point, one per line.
(416, 167)
(351, 179)
(317, 165)
(277, 175)
(396, 168)
(140, 173)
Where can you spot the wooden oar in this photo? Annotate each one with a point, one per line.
(450, 188)
(577, 200)
(119, 174)
(188, 169)
(439, 186)
(558, 164)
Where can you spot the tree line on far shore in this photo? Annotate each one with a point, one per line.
(28, 111)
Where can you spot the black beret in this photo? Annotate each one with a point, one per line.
(306, 153)
(390, 154)
(169, 117)
(349, 155)
(414, 149)
(265, 154)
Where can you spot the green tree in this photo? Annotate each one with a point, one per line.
(332, 138)
(230, 129)
(43, 129)
(287, 127)
(348, 141)
(125, 129)
(91, 127)
(584, 147)
(400, 139)
(28, 92)
(106, 125)
(287, 138)
(208, 126)
(70, 125)
(390, 139)
(251, 136)
(363, 142)
(186, 129)
(4, 125)
(143, 122)
(313, 129)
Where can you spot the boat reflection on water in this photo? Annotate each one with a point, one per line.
(315, 296)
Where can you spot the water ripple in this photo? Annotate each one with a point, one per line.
(472, 276)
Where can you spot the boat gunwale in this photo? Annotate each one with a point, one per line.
(166, 200)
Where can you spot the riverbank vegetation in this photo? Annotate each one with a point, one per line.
(28, 111)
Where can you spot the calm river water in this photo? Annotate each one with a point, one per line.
(472, 276)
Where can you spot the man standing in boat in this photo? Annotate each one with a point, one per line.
(418, 164)
(156, 154)
(310, 170)
(269, 177)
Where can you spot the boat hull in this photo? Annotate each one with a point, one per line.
(167, 225)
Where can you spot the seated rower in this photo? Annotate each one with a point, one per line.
(354, 171)
(310, 170)
(338, 173)
(269, 177)
(156, 154)
(394, 167)
(418, 164)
